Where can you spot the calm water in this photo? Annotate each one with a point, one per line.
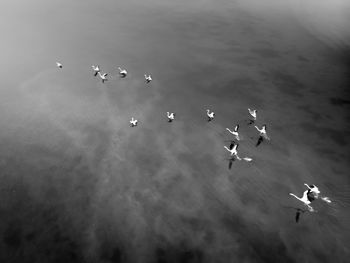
(77, 184)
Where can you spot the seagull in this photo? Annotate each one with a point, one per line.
(96, 69)
(234, 155)
(122, 72)
(233, 150)
(306, 198)
(133, 122)
(148, 78)
(253, 114)
(210, 115)
(263, 134)
(234, 132)
(59, 64)
(171, 116)
(103, 77)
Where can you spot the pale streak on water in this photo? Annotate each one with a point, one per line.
(77, 181)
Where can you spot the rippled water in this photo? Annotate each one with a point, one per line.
(77, 184)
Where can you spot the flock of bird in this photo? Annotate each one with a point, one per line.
(312, 193)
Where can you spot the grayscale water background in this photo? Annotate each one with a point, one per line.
(77, 184)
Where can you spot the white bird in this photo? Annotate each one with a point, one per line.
(133, 122)
(59, 64)
(233, 150)
(263, 134)
(103, 76)
(308, 196)
(171, 116)
(96, 69)
(210, 115)
(234, 132)
(148, 78)
(122, 72)
(253, 114)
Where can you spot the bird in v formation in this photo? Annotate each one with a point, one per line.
(308, 196)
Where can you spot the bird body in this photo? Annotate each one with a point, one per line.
(103, 76)
(234, 132)
(253, 113)
(210, 115)
(58, 64)
(233, 151)
(133, 122)
(310, 195)
(148, 78)
(171, 116)
(122, 72)
(96, 69)
(262, 130)
(263, 134)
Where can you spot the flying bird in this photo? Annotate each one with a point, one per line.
(171, 116)
(210, 115)
(148, 78)
(122, 72)
(262, 135)
(58, 64)
(235, 132)
(96, 69)
(307, 198)
(233, 151)
(103, 77)
(133, 122)
(253, 115)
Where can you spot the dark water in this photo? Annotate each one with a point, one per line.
(77, 184)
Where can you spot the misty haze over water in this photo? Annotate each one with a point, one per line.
(78, 184)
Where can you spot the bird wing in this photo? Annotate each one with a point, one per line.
(305, 197)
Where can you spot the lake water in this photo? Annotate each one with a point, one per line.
(77, 184)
